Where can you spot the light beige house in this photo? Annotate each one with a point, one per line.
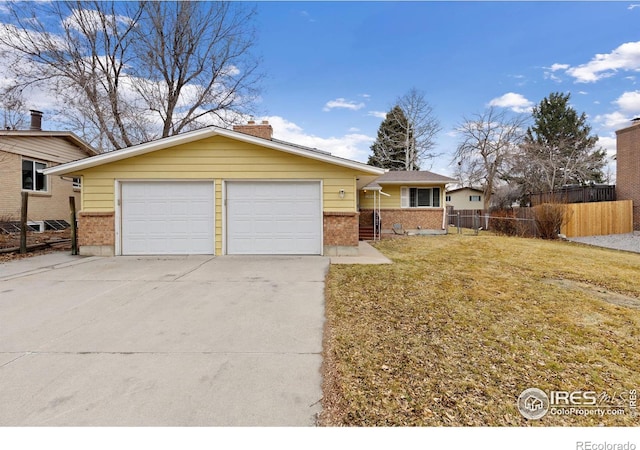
(219, 191)
(465, 198)
(404, 202)
(24, 155)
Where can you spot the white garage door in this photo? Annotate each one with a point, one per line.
(167, 218)
(274, 218)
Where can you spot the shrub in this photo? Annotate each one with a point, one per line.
(549, 218)
(504, 222)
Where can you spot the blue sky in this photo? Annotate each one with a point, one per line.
(333, 67)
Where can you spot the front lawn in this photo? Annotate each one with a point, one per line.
(459, 326)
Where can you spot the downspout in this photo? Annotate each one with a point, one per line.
(444, 204)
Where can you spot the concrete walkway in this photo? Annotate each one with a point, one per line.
(161, 341)
(366, 255)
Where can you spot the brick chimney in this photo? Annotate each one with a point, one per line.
(262, 130)
(628, 167)
(36, 120)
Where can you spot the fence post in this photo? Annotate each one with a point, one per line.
(74, 226)
(458, 214)
(23, 223)
(476, 222)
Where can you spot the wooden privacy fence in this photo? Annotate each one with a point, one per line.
(594, 219)
(576, 194)
(582, 219)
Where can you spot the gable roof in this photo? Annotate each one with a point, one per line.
(65, 135)
(463, 188)
(204, 133)
(410, 177)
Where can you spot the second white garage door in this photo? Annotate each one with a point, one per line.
(167, 218)
(274, 218)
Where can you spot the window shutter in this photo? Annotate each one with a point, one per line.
(436, 198)
(404, 197)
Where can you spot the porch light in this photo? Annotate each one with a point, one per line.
(341, 193)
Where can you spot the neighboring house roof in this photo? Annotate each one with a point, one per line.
(43, 135)
(409, 177)
(465, 188)
(204, 133)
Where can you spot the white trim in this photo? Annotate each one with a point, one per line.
(223, 230)
(33, 168)
(204, 133)
(405, 194)
(117, 226)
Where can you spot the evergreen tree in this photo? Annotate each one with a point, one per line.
(389, 149)
(558, 149)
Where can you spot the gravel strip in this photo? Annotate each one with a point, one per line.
(629, 241)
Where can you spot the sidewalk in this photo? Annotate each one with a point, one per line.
(38, 263)
(366, 255)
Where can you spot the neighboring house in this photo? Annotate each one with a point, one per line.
(465, 198)
(406, 201)
(218, 191)
(628, 168)
(23, 157)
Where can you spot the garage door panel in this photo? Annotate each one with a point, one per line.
(167, 218)
(274, 218)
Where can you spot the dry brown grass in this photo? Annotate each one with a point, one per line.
(12, 240)
(459, 326)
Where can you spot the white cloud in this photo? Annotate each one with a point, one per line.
(81, 18)
(378, 114)
(557, 66)
(633, 6)
(614, 120)
(353, 130)
(353, 146)
(629, 101)
(608, 143)
(625, 57)
(516, 102)
(342, 103)
(583, 93)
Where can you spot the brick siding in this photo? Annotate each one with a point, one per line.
(96, 229)
(409, 218)
(628, 169)
(340, 229)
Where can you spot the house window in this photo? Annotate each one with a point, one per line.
(448, 198)
(420, 197)
(32, 177)
(77, 183)
(474, 198)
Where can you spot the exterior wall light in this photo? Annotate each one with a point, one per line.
(341, 193)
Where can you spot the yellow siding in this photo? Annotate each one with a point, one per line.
(393, 201)
(220, 159)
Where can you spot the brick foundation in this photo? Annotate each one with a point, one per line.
(340, 233)
(628, 168)
(96, 233)
(411, 219)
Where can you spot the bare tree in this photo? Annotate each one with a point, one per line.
(128, 72)
(489, 141)
(195, 61)
(420, 128)
(14, 111)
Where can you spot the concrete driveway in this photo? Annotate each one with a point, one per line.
(161, 341)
